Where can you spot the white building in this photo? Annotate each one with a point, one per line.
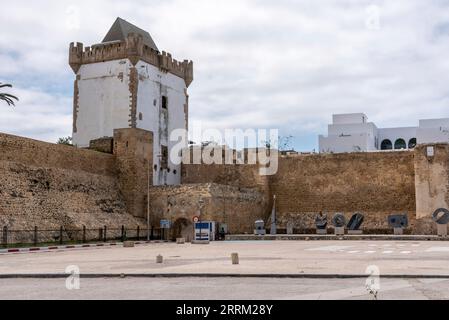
(126, 82)
(352, 133)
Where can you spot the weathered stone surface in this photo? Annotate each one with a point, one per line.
(50, 186)
(237, 207)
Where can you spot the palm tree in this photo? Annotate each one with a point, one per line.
(9, 98)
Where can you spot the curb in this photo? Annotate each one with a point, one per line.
(220, 275)
(67, 247)
(346, 237)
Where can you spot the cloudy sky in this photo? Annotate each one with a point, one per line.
(258, 63)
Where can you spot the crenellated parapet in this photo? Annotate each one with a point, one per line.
(133, 49)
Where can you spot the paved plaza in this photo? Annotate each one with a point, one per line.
(256, 257)
(410, 270)
(223, 288)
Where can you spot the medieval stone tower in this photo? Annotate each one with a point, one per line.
(126, 82)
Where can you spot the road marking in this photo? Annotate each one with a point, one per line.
(406, 252)
(387, 252)
(355, 251)
(330, 248)
(438, 249)
(370, 252)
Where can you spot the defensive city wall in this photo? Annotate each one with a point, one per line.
(48, 185)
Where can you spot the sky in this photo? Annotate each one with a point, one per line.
(283, 64)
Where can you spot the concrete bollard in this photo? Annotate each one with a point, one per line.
(180, 240)
(159, 259)
(128, 244)
(235, 258)
(442, 230)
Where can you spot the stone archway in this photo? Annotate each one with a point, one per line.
(182, 228)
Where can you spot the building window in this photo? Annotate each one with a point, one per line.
(400, 144)
(164, 102)
(386, 145)
(412, 143)
(164, 157)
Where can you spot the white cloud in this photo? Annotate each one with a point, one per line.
(284, 64)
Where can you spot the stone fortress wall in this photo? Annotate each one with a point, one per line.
(376, 184)
(49, 185)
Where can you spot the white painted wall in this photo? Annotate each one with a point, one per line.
(347, 118)
(103, 100)
(153, 84)
(351, 132)
(394, 134)
(351, 143)
(104, 105)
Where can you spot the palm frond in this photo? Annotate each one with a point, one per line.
(8, 98)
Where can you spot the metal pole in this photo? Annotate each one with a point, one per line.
(60, 235)
(273, 229)
(5, 235)
(148, 202)
(35, 236)
(84, 234)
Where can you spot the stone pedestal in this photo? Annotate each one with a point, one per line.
(128, 244)
(355, 232)
(442, 230)
(180, 240)
(339, 231)
(235, 258)
(200, 241)
(321, 231)
(398, 231)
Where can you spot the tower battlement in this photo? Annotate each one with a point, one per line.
(132, 48)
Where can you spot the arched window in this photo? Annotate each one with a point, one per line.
(386, 145)
(400, 144)
(412, 143)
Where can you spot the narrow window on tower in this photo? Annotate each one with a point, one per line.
(164, 102)
(164, 157)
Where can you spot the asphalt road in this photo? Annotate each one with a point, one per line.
(222, 288)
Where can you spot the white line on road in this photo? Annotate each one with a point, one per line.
(329, 248)
(438, 249)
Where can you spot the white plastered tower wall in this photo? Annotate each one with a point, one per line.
(122, 84)
(103, 100)
(151, 116)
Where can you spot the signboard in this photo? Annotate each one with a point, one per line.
(165, 224)
(205, 230)
(430, 151)
(196, 219)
